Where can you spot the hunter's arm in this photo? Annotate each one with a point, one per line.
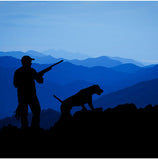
(15, 80)
(38, 77)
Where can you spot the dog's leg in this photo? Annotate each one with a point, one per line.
(90, 104)
(83, 107)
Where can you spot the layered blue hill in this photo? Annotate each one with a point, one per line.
(19, 54)
(104, 61)
(65, 54)
(127, 60)
(99, 61)
(141, 94)
(65, 80)
(128, 68)
(8, 98)
(39, 57)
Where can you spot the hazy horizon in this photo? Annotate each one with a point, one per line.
(96, 28)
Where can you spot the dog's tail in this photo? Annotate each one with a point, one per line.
(58, 98)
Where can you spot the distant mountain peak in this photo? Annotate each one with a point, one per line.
(103, 61)
(127, 60)
(127, 67)
(35, 53)
(65, 54)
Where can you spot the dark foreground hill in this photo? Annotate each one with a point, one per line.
(123, 131)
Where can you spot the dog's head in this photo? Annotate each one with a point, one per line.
(97, 89)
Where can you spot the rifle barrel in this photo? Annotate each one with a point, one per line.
(49, 68)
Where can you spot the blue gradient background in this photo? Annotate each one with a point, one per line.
(125, 29)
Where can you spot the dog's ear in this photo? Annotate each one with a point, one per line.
(96, 85)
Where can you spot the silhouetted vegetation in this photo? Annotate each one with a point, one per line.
(123, 131)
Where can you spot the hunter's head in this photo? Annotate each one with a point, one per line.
(26, 61)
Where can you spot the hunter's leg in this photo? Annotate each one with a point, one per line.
(36, 109)
(23, 115)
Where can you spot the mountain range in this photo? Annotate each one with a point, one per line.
(122, 123)
(65, 54)
(141, 94)
(67, 79)
(43, 58)
(99, 61)
(105, 61)
(127, 67)
(127, 60)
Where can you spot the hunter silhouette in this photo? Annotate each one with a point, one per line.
(24, 81)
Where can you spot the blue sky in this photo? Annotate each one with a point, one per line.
(125, 29)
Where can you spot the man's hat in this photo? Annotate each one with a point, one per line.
(26, 59)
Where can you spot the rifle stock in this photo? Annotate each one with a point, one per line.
(49, 68)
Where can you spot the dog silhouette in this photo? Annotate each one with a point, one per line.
(79, 99)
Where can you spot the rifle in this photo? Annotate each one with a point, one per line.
(48, 68)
